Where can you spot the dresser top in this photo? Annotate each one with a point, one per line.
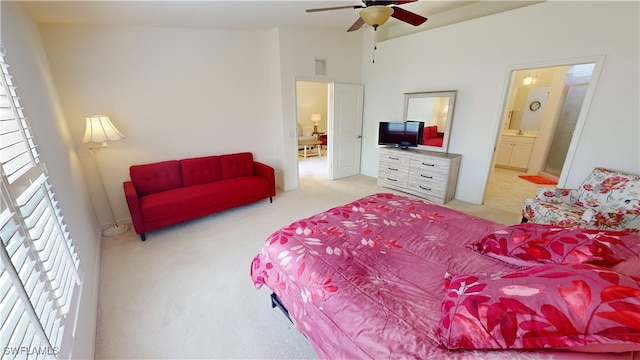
(418, 151)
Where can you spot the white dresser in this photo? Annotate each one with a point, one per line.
(429, 175)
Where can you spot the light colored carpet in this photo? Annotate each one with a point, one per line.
(185, 293)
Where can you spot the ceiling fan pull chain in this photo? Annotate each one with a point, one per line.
(375, 45)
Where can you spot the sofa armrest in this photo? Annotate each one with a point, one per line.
(613, 218)
(557, 195)
(268, 173)
(133, 202)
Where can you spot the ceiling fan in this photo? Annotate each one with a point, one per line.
(375, 13)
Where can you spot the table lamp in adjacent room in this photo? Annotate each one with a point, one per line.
(99, 130)
(316, 119)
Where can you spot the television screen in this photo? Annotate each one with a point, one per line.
(400, 134)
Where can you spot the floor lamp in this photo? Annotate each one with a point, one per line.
(100, 130)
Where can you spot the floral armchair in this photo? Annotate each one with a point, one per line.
(606, 200)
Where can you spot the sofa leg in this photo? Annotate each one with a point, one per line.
(143, 236)
(524, 220)
(271, 199)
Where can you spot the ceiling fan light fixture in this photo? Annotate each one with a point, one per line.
(376, 15)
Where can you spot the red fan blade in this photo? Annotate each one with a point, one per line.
(335, 8)
(356, 25)
(388, 2)
(407, 16)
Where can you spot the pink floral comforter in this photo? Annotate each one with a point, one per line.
(367, 279)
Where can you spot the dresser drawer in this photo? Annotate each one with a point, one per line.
(391, 182)
(393, 169)
(394, 159)
(388, 175)
(434, 166)
(431, 177)
(434, 198)
(428, 187)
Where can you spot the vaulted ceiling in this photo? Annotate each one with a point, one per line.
(253, 15)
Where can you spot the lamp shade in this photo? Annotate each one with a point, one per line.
(376, 15)
(100, 129)
(315, 117)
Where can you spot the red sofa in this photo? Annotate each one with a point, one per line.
(170, 192)
(431, 136)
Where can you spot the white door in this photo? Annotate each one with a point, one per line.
(345, 130)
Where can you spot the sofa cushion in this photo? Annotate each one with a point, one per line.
(156, 177)
(610, 188)
(567, 215)
(236, 165)
(200, 170)
(430, 132)
(213, 195)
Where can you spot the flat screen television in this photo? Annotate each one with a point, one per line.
(400, 134)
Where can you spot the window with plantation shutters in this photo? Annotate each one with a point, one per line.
(17, 150)
(39, 265)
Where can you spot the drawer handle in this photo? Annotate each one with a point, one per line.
(425, 188)
(426, 176)
(390, 179)
(394, 158)
(392, 169)
(425, 164)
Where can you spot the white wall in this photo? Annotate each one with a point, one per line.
(30, 68)
(178, 93)
(474, 57)
(175, 93)
(298, 50)
(184, 92)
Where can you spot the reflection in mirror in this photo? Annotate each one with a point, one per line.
(526, 106)
(435, 109)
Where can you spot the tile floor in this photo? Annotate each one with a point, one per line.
(507, 191)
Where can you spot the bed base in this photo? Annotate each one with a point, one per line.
(276, 302)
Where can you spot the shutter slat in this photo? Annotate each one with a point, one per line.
(5, 284)
(10, 310)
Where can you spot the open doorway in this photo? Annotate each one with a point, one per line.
(311, 118)
(542, 114)
(333, 131)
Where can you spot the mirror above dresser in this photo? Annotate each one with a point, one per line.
(435, 109)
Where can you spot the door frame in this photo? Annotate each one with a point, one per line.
(598, 60)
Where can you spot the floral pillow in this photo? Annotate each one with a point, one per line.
(527, 244)
(579, 307)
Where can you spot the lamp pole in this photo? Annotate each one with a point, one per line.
(115, 229)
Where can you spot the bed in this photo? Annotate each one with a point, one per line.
(376, 278)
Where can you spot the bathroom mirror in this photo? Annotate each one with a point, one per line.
(435, 109)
